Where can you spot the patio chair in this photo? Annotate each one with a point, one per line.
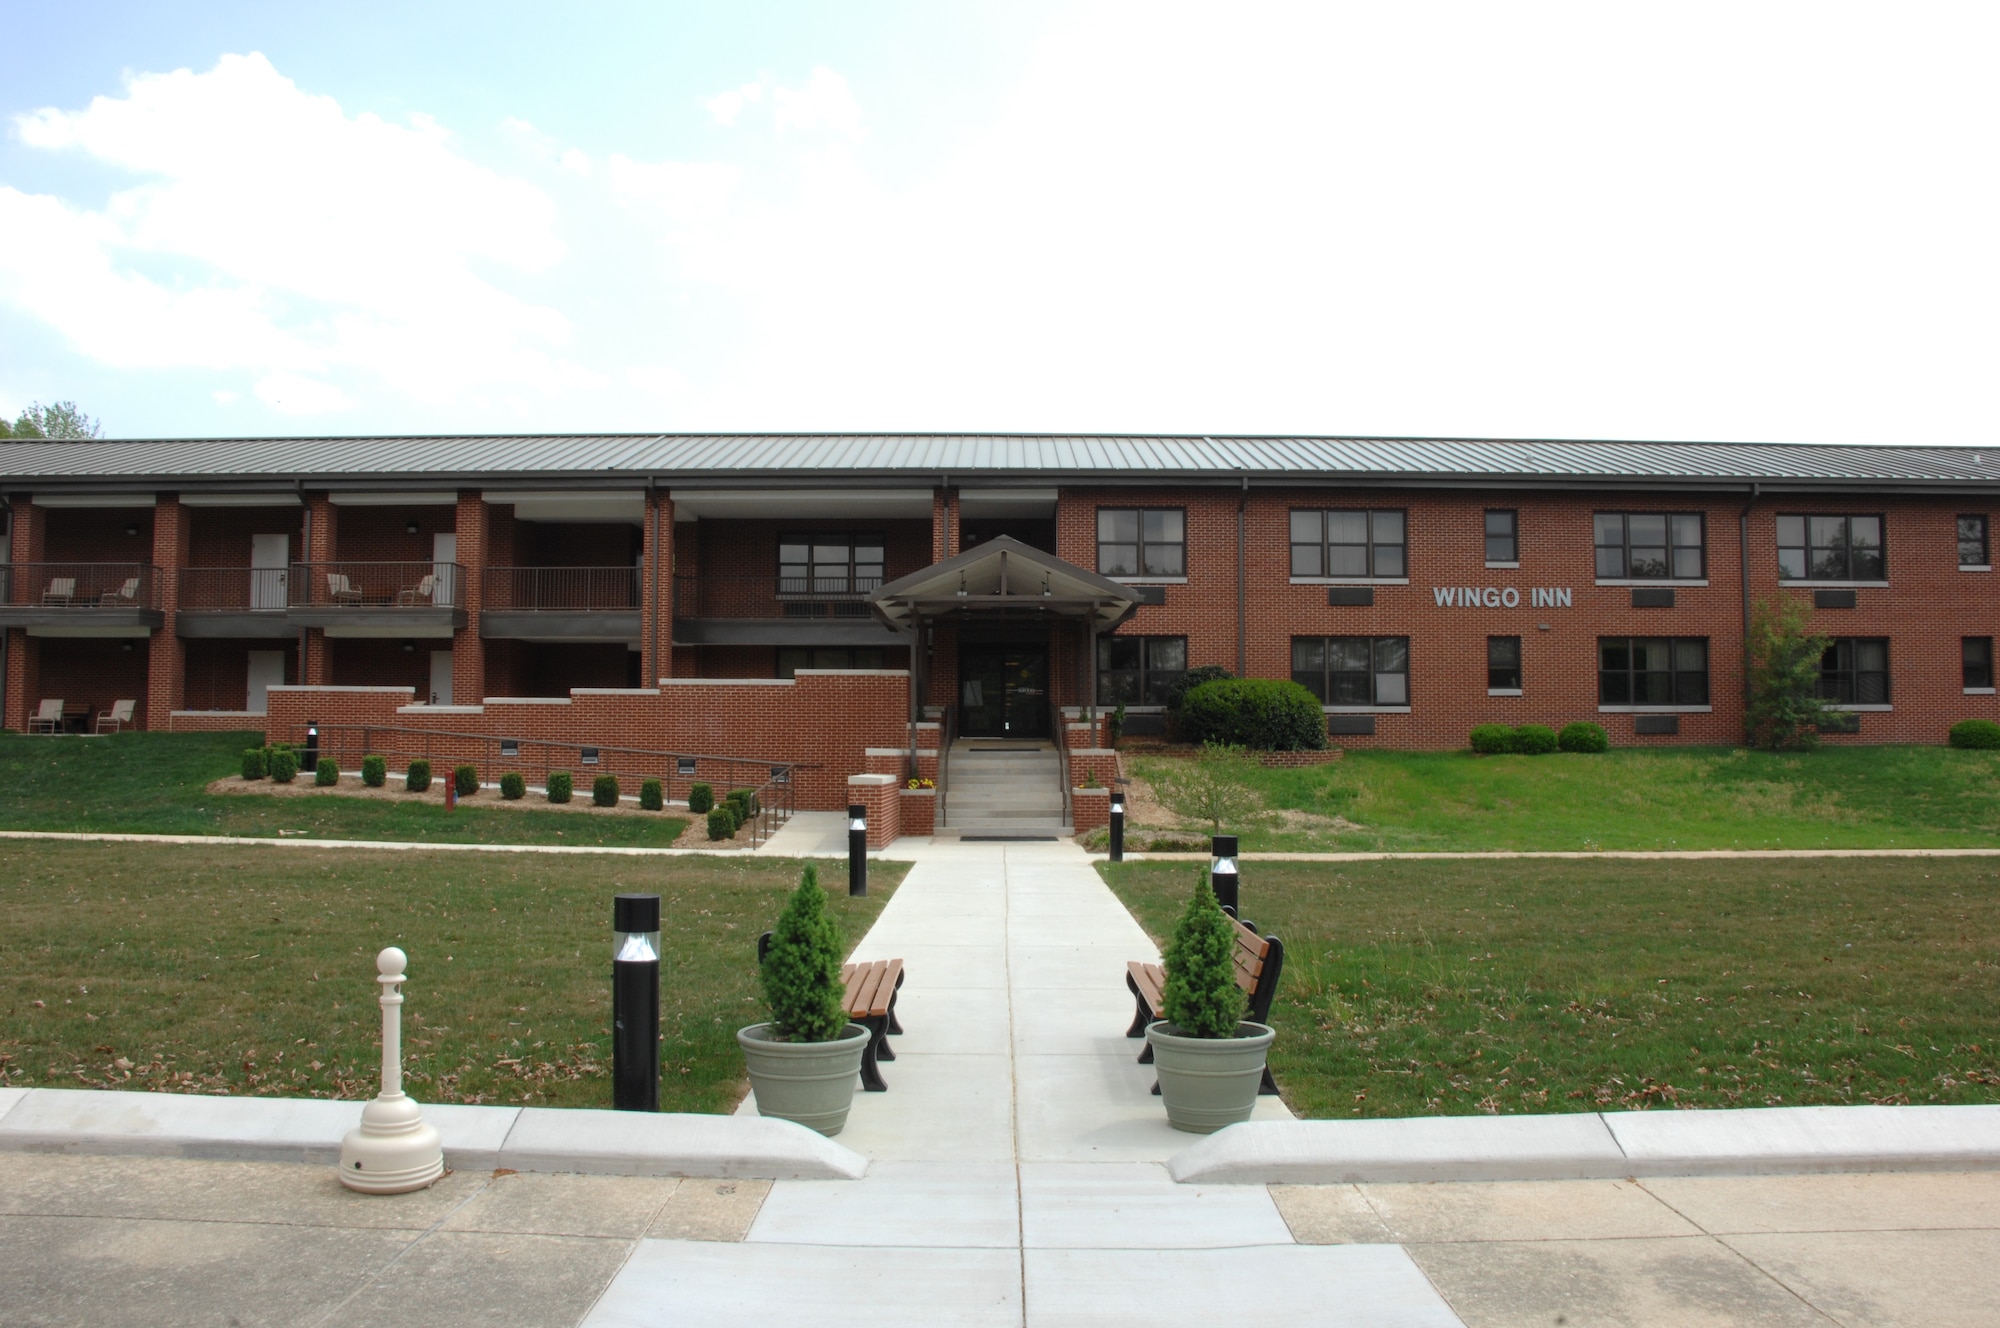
(117, 717)
(127, 594)
(422, 593)
(48, 719)
(340, 590)
(62, 590)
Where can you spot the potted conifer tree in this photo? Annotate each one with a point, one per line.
(805, 1061)
(1210, 1059)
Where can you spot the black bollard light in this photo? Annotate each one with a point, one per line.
(857, 849)
(1118, 825)
(1222, 871)
(635, 1003)
(309, 763)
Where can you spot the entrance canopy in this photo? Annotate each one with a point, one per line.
(1003, 577)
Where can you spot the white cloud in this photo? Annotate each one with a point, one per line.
(725, 107)
(225, 397)
(823, 103)
(295, 394)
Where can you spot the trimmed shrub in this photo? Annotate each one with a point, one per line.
(284, 765)
(1976, 734)
(604, 790)
(701, 797)
(730, 810)
(1586, 737)
(1201, 997)
(801, 972)
(255, 763)
(1262, 714)
(560, 786)
(327, 773)
(1193, 678)
(465, 778)
(1492, 739)
(512, 786)
(721, 825)
(418, 780)
(652, 796)
(1534, 740)
(748, 799)
(374, 771)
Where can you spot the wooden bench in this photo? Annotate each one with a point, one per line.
(1259, 961)
(870, 1001)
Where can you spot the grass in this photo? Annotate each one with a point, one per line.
(212, 969)
(1446, 988)
(1685, 798)
(154, 783)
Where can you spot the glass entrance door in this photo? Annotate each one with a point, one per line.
(1003, 691)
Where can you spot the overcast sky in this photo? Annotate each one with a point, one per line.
(1732, 221)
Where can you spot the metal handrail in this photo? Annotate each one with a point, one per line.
(80, 587)
(560, 588)
(946, 735)
(772, 596)
(345, 583)
(1061, 733)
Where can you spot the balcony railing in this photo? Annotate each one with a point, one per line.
(237, 588)
(562, 588)
(772, 596)
(84, 587)
(425, 585)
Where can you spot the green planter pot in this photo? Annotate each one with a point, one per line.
(1208, 1083)
(808, 1082)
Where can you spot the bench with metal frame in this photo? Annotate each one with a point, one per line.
(1259, 962)
(870, 1000)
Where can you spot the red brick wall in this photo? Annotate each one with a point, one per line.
(366, 662)
(96, 535)
(468, 652)
(217, 672)
(381, 534)
(99, 670)
(881, 795)
(207, 723)
(220, 536)
(543, 668)
(164, 651)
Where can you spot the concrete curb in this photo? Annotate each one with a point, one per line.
(419, 846)
(257, 1129)
(1764, 1141)
(1498, 855)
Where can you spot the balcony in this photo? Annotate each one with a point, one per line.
(773, 610)
(561, 604)
(233, 602)
(357, 599)
(81, 599)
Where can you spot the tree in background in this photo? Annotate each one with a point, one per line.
(1214, 787)
(62, 420)
(1786, 709)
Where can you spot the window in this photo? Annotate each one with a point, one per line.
(1503, 537)
(1139, 670)
(1830, 548)
(1353, 670)
(1978, 657)
(1855, 671)
(1503, 663)
(1652, 670)
(829, 564)
(793, 658)
(1649, 546)
(1972, 542)
(1366, 543)
(1141, 541)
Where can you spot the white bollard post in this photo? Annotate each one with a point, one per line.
(394, 1149)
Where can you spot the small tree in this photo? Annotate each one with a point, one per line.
(1201, 997)
(1214, 787)
(802, 970)
(60, 421)
(1786, 709)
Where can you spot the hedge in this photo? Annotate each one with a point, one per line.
(327, 774)
(721, 825)
(1492, 739)
(255, 763)
(465, 778)
(513, 786)
(701, 797)
(418, 780)
(1976, 734)
(374, 771)
(604, 790)
(652, 797)
(1583, 736)
(1534, 740)
(283, 764)
(1263, 714)
(560, 786)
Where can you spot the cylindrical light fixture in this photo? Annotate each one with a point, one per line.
(310, 761)
(1118, 825)
(857, 849)
(635, 1003)
(1222, 872)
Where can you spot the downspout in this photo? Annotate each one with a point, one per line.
(1743, 568)
(1242, 647)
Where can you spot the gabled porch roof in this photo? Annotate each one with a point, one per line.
(1003, 577)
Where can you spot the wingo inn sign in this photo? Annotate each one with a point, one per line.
(1500, 597)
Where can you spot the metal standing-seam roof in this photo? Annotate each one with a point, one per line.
(749, 459)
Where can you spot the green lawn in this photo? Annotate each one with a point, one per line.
(1685, 798)
(1437, 988)
(153, 783)
(212, 969)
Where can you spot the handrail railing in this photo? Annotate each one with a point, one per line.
(1061, 732)
(80, 586)
(947, 726)
(234, 587)
(773, 596)
(375, 585)
(774, 782)
(560, 588)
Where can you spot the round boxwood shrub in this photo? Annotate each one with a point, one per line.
(1977, 734)
(1263, 714)
(1534, 740)
(652, 797)
(284, 765)
(701, 797)
(254, 766)
(1492, 739)
(721, 825)
(512, 786)
(1583, 737)
(327, 773)
(1193, 678)
(418, 780)
(465, 778)
(374, 771)
(560, 786)
(604, 790)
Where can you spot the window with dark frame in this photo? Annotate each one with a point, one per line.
(1855, 671)
(1830, 548)
(1649, 546)
(1652, 670)
(1139, 670)
(793, 658)
(1353, 670)
(1972, 550)
(1977, 655)
(1369, 542)
(830, 563)
(1503, 536)
(1141, 541)
(1503, 663)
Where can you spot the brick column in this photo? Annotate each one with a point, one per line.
(878, 793)
(322, 537)
(468, 650)
(166, 658)
(23, 682)
(946, 537)
(656, 591)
